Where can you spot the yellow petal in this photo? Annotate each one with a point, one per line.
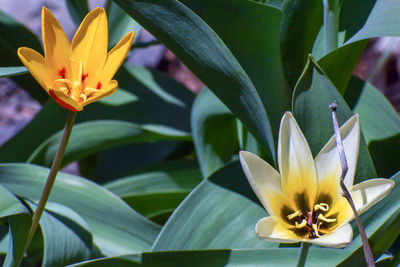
(89, 46)
(265, 181)
(56, 45)
(272, 229)
(105, 91)
(369, 192)
(339, 238)
(64, 101)
(296, 164)
(116, 56)
(35, 63)
(327, 161)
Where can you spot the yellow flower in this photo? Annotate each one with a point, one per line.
(304, 200)
(79, 73)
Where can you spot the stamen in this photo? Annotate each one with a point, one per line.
(294, 215)
(321, 206)
(64, 90)
(316, 229)
(84, 76)
(98, 85)
(61, 72)
(324, 219)
(301, 225)
(83, 96)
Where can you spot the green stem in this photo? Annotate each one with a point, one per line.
(302, 257)
(331, 24)
(52, 177)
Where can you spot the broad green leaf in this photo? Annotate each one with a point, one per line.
(214, 217)
(313, 94)
(246, 140)
(148, 97)
(301, 21)
(207, 56)
(222, 257)
(157, 191)
(119, 24)
(213, 129)
(380, 124)
(115, 227)
(10, 40)
(19, 220)
(12, 71)
(77, 9)
(94, 136)
(66, 236)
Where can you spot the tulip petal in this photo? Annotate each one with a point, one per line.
(369, 192)
(110, 88)
(327, 161)
(296, 164)
(36, 65)
(272, 229)
(265, 181)
(89, 46)
(64, 101)
(116, 56)
(56, 45)
(339, 238)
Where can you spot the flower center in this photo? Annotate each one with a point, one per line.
(310, 222)
(76, 89)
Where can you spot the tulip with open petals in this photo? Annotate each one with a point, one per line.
(304, 200)
(78, 73)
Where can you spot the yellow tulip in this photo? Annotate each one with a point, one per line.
(78, 73)
(304, 200)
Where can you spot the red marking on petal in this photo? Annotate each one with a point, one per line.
(84, 76)
(61, 102)
(98, 85)
(61, 72)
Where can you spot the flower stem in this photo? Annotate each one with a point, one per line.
(302, 257)
(52, 177)
(367, 248)
(331, 24)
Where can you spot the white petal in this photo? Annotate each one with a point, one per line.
(272, 229)
(296, 163)
(339, 238)
(369, 192)
(263, 178)
(327, 161)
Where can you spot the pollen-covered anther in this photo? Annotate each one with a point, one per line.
(315, 227)
(294, 215)
(324, 219)
(321, 206)
(301, 225)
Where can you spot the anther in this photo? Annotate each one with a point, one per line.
(316, 229)
(64, 90)
(83, 96)
(294, 215)
(324, 219)
(300, 225)
(321, 206)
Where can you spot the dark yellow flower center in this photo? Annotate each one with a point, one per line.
(310, 224)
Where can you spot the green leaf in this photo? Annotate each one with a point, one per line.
(12, 71)
(213, 129)
(19, 223)
(301, 22)
(66, 236)
(157, 191)
(10, 40)
(311, 99)
(119, 24)
(94, 136)
(214, 217)
(200, 48)
(116, 228)
(77, 10)
(222, 257)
